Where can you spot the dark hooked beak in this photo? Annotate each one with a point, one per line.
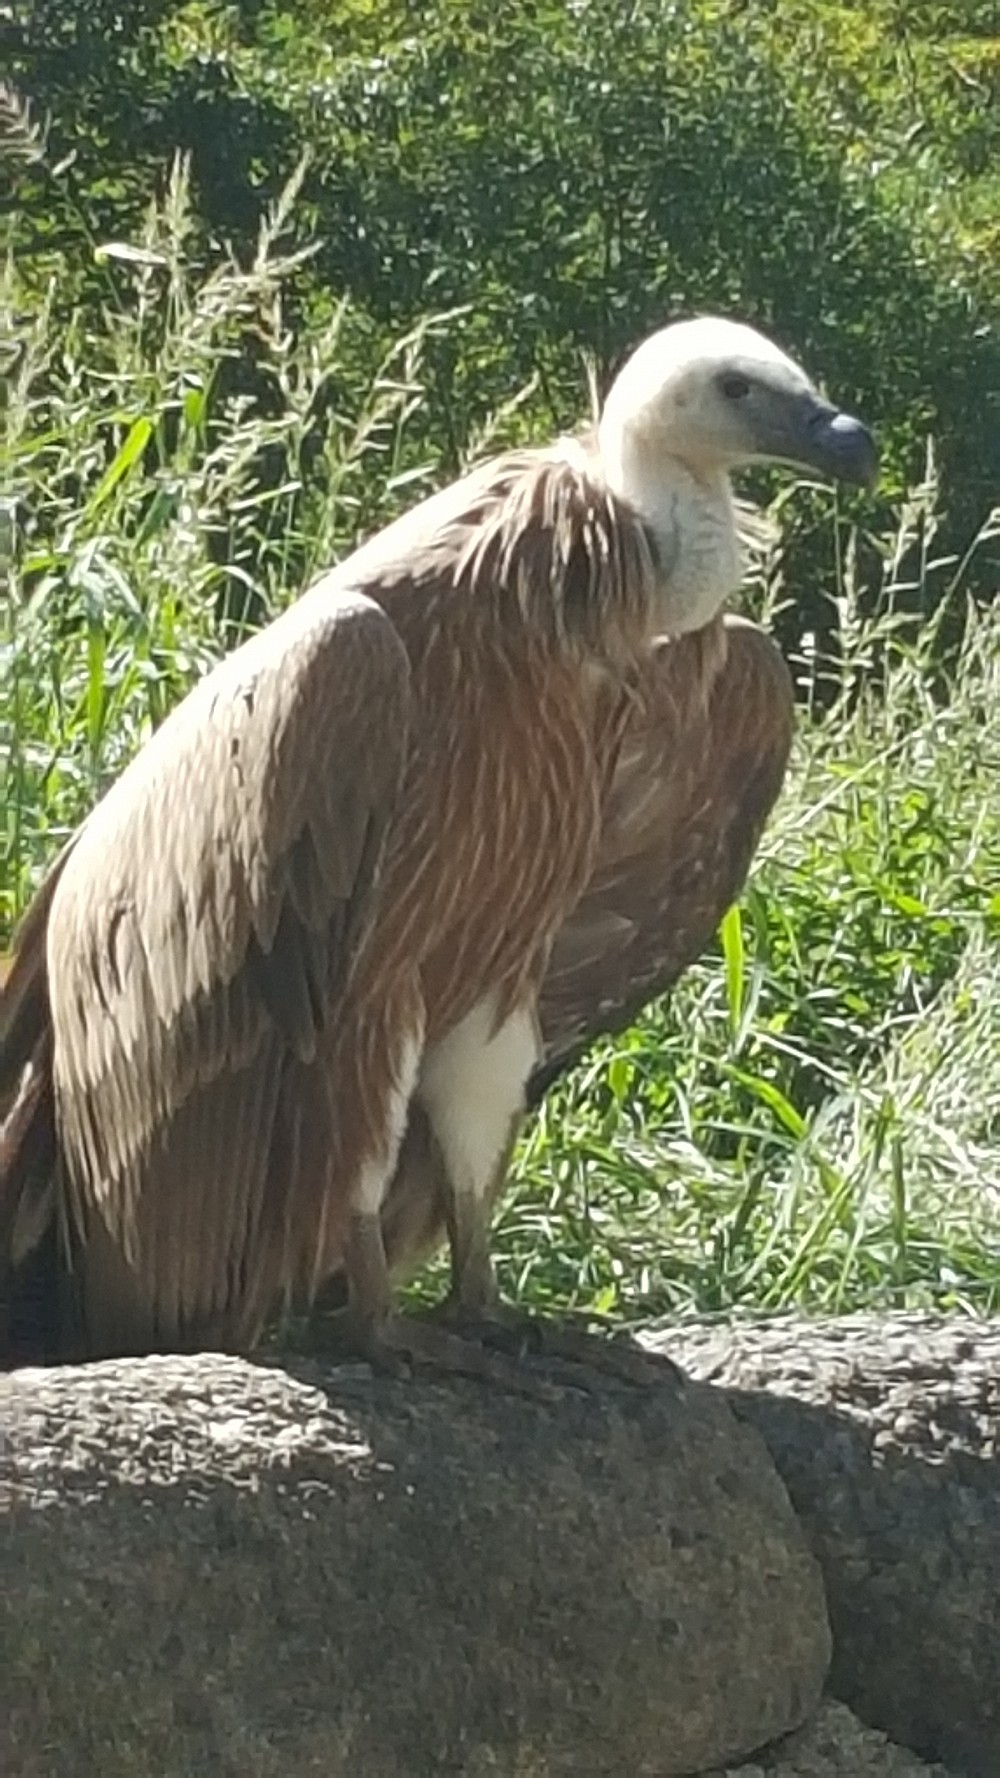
(839, 446)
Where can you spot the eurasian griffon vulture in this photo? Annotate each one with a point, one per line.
(324, 898)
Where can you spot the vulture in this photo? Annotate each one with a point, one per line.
(476, 795)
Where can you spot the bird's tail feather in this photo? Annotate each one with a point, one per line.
(30, 1253)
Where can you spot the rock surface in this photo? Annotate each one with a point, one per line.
(211, 1566)
(835, 1745)
(886, 1431)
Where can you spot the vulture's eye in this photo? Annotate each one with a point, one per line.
(735, 388)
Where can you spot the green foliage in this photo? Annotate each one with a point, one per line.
(573, 172)
(194, 428)
(153, 509)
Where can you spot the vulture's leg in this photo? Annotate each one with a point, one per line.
(475, 1308)
(399, 1343)
(469, 1100)
(373, 1329)
(472, 1090)
(371, 1082)
(473, 1093)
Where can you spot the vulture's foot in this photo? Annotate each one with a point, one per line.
(434, 1344)
(416, 1345)
(521, 1335)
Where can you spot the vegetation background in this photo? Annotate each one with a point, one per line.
(275, 269)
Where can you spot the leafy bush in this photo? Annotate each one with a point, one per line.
(154, 510)
(573, 173)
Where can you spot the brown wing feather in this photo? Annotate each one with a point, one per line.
(199, 938)
(700, 769)
(27, 1116)
(23, 1003)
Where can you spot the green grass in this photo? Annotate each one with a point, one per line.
(813, 1119)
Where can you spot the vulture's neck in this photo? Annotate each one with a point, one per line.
(690, 516)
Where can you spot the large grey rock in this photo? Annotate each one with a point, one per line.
(886, 1430)
(211, 1566)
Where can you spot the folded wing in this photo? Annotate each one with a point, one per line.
(701, 766)
(200, 936)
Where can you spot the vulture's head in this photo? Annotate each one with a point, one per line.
(715, 394)
(693, 403)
